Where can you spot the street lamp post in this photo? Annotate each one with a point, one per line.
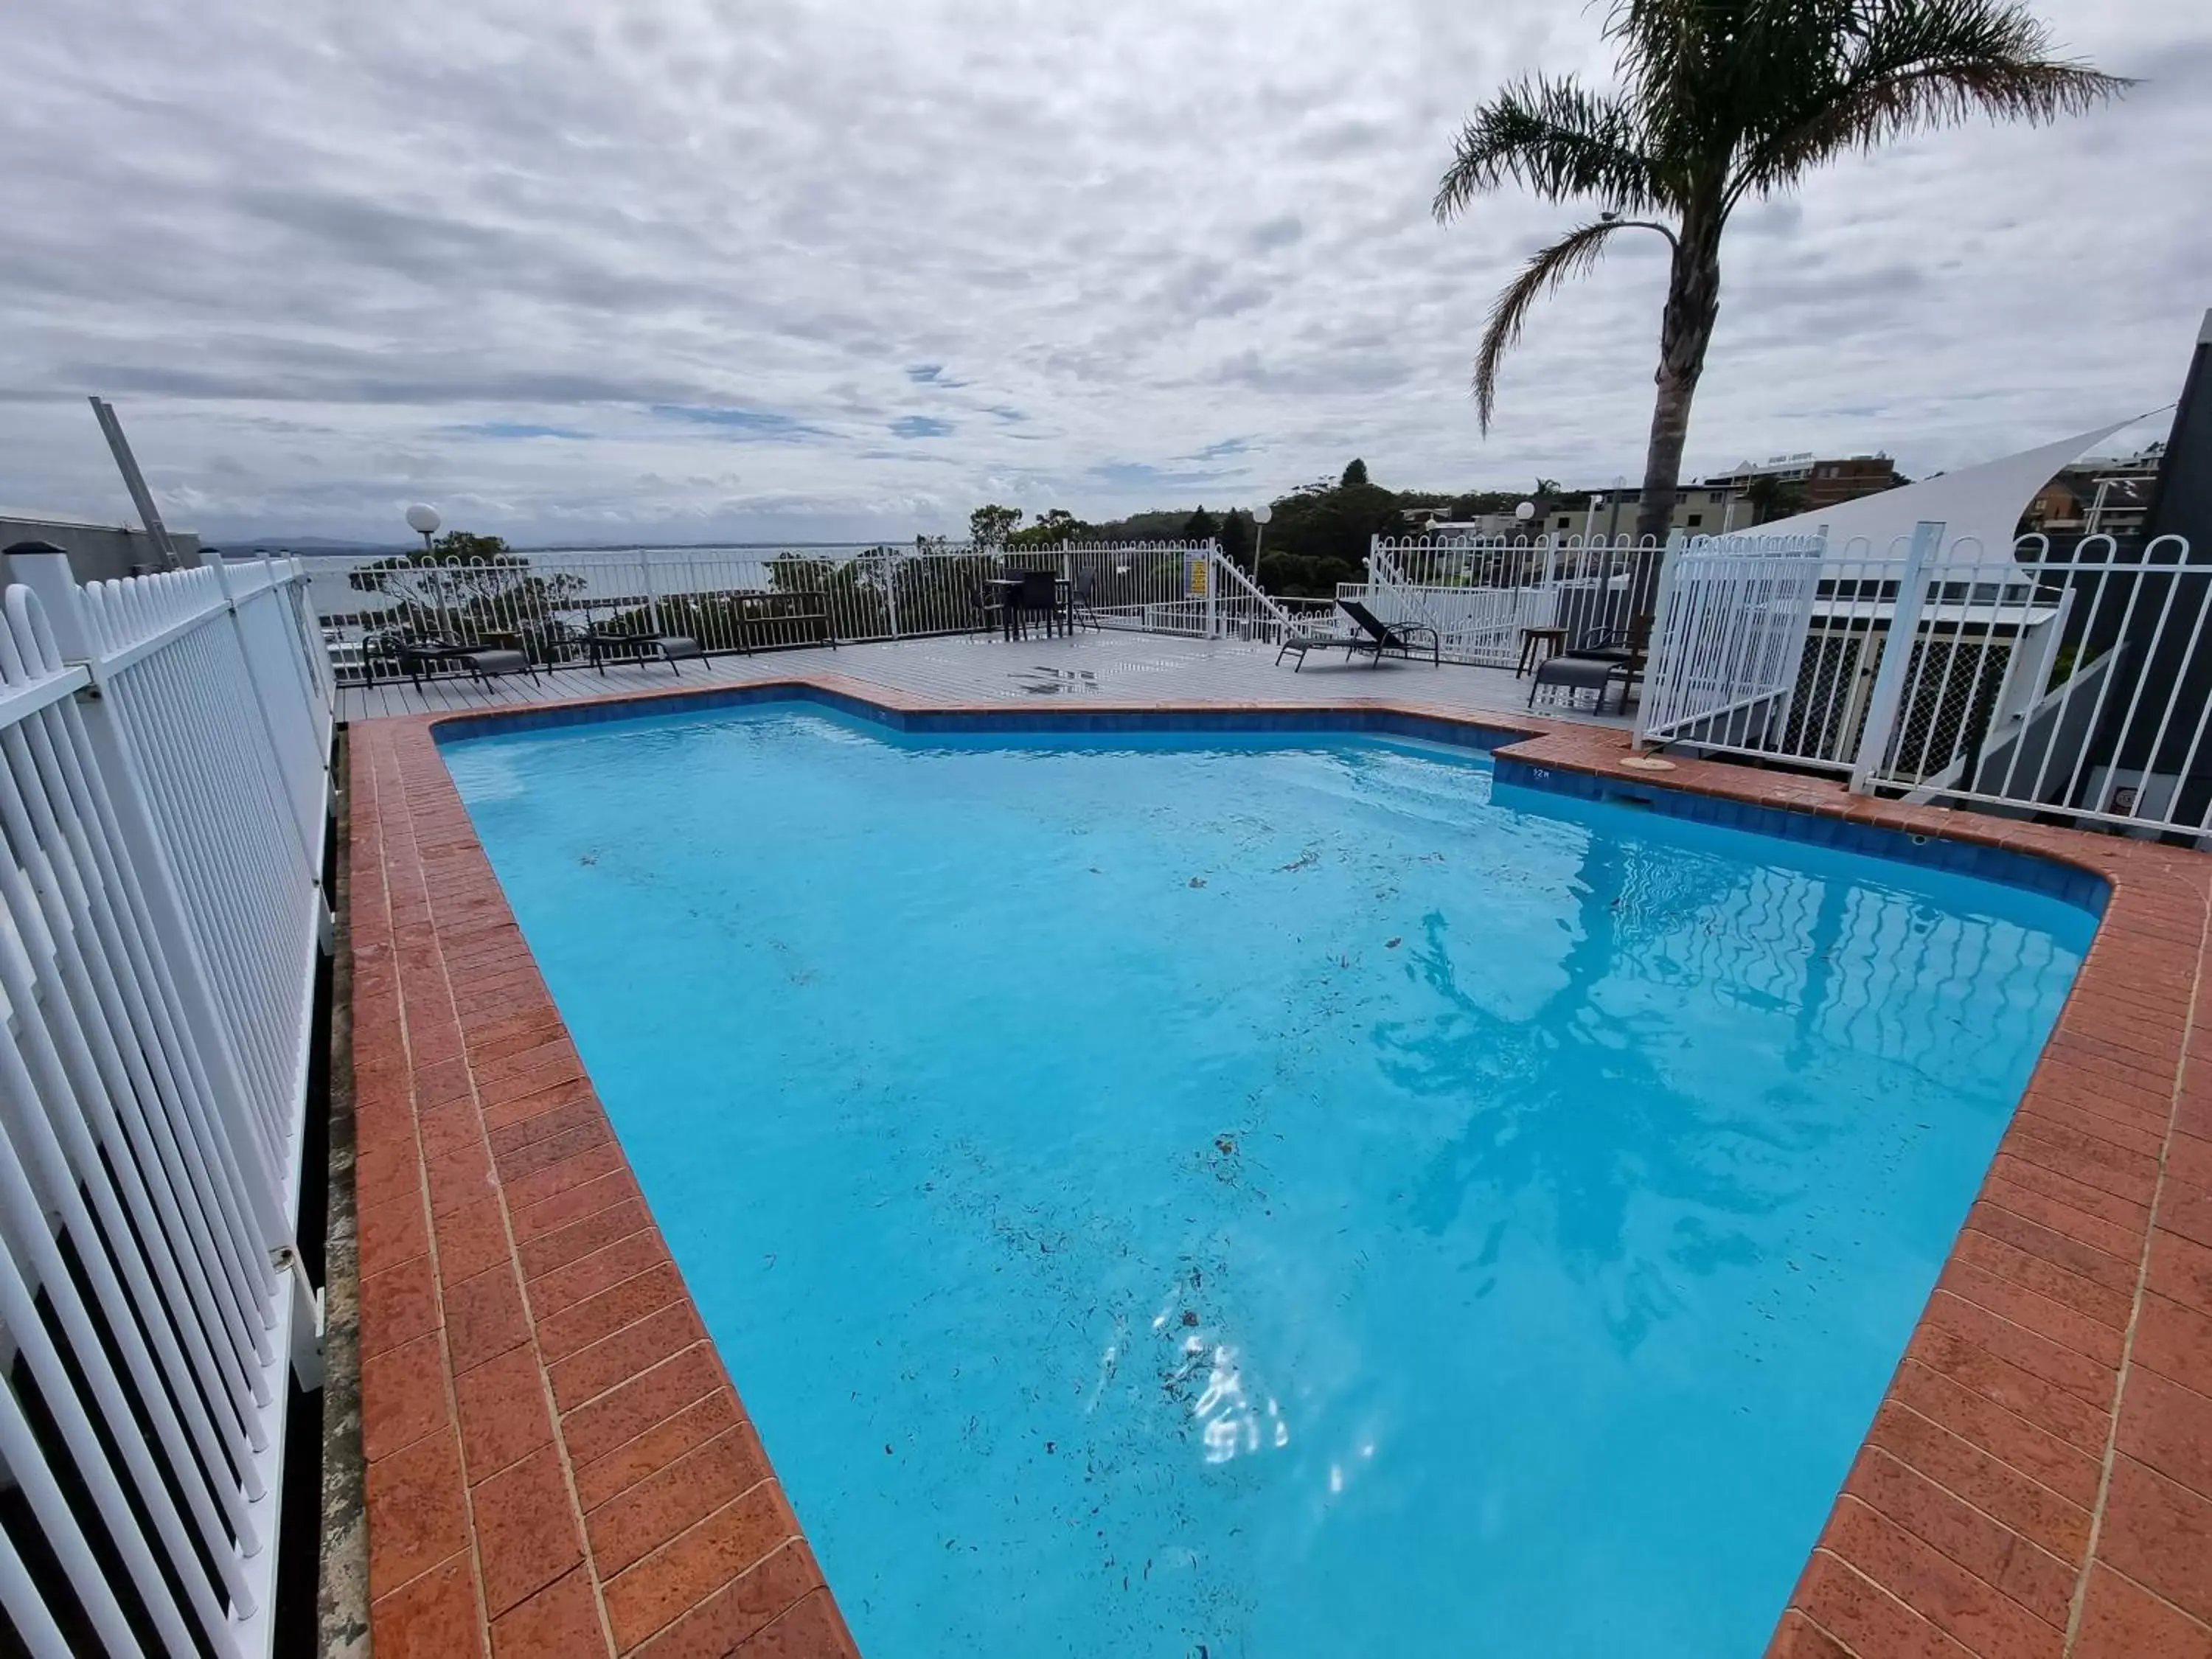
(423, 518)
(1260, 515)
(1613, 528)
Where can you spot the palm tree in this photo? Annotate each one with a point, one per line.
(1723, 101)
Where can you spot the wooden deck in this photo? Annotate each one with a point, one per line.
(1123, 668)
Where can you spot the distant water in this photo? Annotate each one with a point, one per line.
(1203, 1197)
(589, 577)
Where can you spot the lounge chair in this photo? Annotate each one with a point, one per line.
(487, 662)
(670, 647)
(424, 655)
(1375, 637)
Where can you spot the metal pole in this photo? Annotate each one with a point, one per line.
(1896, 659)
(135, 481)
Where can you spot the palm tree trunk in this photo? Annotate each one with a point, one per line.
(1693, 304)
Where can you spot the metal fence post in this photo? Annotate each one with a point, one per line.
(892, 558)
(1879, 729)
(1654, 650)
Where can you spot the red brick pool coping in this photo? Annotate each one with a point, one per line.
(558, 1464)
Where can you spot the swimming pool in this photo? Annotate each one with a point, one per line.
(1185, 1193)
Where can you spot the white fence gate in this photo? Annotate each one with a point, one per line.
(2074, 685)
(1729, 633)
(164, 798)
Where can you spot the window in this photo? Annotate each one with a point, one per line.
(1696, 519)
(1563, 521)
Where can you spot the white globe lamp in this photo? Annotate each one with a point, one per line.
(1261, 515)
(423, 520)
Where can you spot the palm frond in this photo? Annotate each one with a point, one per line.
(1557, 140)
(1573, 255)
(1911, 65)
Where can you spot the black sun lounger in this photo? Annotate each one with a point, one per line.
(1378, 638)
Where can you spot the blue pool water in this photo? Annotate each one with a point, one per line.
(1191, 1194)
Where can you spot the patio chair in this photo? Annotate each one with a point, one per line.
(1576, 674)
(990, 605)
(1079, 612)
(1602, 657)
(1038, 596)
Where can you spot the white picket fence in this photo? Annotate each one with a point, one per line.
(164, 796)
(2074, 685)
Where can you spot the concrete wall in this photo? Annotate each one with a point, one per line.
(97, 552)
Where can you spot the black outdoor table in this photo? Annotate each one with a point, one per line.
(1009, 588)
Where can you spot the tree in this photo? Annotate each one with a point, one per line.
(1051, 530)
(1320, 534)
(1355, 473)
(1770, 497)
(989, 526)
(1725, 102)
(464, 579)
(1200, 526)
(1237, 538)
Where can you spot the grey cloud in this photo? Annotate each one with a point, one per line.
(395, 250)
(921, 426)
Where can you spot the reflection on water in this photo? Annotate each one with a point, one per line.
(1600, 1096)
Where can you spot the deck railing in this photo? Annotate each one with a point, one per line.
(730, 599)
(2072, 685)
(1482, 595)
(165, 798)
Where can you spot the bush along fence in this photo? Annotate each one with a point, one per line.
(165, 797)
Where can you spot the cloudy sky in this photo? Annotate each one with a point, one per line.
(689, 269)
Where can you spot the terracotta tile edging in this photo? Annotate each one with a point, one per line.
(2037, 1480)
(557, 1461)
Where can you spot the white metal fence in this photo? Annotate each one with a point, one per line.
(164, 795)
(1482, 595)
(733, 599)
(2070, 683)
